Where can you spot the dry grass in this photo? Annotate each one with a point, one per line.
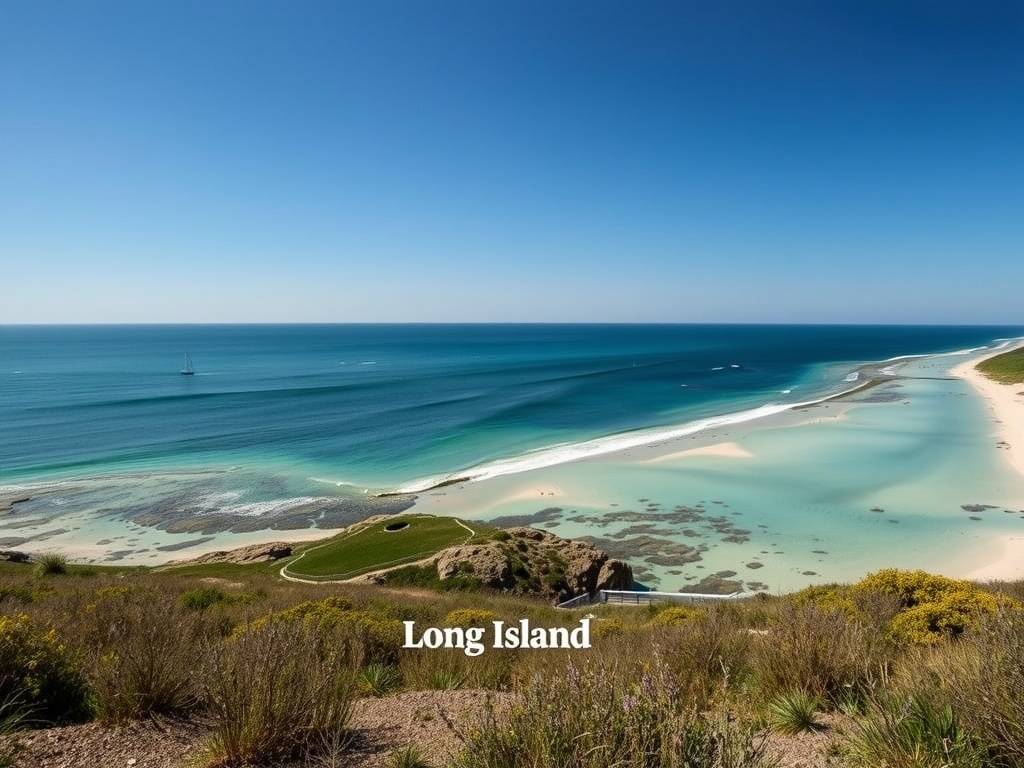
(274, 666)
(278, 690)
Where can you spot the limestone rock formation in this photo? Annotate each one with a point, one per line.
(254, 553)
(528, 560)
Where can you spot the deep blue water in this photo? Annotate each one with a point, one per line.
(381, 404)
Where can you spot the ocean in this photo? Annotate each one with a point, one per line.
(293, 426)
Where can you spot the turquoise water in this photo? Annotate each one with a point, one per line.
(879, 480)
(290, 427)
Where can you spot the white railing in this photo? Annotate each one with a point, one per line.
(637, 597)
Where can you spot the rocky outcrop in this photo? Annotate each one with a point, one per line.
(254, 553)
(528, 560)
(485, 562)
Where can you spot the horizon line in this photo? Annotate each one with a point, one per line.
(507, 323)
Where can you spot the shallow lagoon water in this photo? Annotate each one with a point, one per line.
(918, 449)
(126, 462)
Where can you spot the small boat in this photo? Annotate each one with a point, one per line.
(188, 370)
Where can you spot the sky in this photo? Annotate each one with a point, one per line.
(546, 161)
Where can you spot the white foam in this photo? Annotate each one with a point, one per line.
(338, 483)
(852, 376)
(718, 368)
(260, 508)
(566, 452)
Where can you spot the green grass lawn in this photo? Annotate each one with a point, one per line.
(1007, 368)
(374, 547)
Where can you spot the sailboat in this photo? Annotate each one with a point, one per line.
(188, 370)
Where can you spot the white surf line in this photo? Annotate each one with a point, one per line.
(568, 452)
(359, 529)
(564, 453)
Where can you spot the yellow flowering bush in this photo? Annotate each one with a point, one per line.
(38, 671)
(606, 628)
(931, 607)
(380, 638)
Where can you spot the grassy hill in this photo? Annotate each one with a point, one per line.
(1007, 368)
(394, 541)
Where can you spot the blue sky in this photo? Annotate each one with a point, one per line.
(548, 161)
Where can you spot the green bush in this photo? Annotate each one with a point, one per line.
(911, 732)
(39, 670)
(793, 712)
(378, 679)
(407, 757)
(51, 564)
(202, 598)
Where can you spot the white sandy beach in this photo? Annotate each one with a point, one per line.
(1005, 402)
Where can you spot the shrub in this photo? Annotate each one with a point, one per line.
(39, 670)
(276, 691)
(380, 638)
(202, 598)
(824, 653)
(408, 757)
(378, 679)
(51, 564)
(948, 616)
(470, 617)
(144, 654)
(793, 712)
(911, 732)
(707, 653)
(984, 680)
(931, 607)
(606, 628)
(598, 718)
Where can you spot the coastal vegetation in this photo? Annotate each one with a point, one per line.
(899, 669)
(1007, 368)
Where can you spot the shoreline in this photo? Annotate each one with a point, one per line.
(869, 375)
(1005, 404)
